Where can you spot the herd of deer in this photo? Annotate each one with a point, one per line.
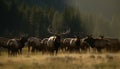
(56, 43)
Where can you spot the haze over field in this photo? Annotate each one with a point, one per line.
(107, 8)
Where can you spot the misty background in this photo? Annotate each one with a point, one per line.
(97, 17)
(107, 11)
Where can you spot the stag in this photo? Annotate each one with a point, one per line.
(96, 43)
(44, 45)
(34, 43)
(3, 43)
(114, 44)
(74, 44)
(15, 45)
(65, 44)
(54, 42)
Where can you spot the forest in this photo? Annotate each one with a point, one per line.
(19, 17)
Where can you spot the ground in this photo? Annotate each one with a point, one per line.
(61, 61)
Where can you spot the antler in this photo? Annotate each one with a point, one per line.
(67, 31)
(50, 29)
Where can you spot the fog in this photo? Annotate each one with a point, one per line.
(105, 7)
(102, 17)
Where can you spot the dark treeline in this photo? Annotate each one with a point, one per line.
(16, 18)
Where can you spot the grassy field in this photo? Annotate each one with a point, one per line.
(61, 61)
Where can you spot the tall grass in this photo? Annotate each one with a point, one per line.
(61, 61)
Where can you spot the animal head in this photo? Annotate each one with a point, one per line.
(90, 40)
(55, 40)
(56, 33)
(23, 38)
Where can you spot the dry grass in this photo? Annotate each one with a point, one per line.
(61, 61)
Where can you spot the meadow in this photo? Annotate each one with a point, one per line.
(61, 61)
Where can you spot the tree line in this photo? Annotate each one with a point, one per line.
(16, 18)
